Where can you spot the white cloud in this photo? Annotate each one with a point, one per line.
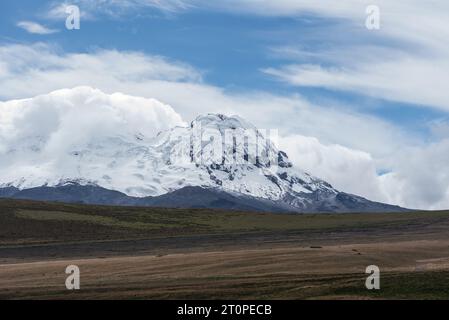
(80, 132)
(346, 169)
(62, 119)
(418, 179)
(69, 116)
(35, 28)
(408, 79)
(411, 20)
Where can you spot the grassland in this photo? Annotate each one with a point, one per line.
(34, 222)
(147, 253)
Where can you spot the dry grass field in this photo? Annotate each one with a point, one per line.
(144, 253)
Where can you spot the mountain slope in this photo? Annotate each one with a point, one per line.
(229, 161)
(190, 197)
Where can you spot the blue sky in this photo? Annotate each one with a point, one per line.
(305, 67)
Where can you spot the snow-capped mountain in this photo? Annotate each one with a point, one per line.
(227, 156)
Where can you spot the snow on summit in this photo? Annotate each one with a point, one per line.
(68, 134)
(140, 147)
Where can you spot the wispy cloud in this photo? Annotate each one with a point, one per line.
(94, 9)
(35, 28)
(405, 61)
(410, 79)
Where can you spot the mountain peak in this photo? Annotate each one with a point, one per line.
(221, 121)
(122, 152)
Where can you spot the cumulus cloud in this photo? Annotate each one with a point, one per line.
(79, 133)
(36, 28)
(418, 176)
(67, 118)
(346, 169)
